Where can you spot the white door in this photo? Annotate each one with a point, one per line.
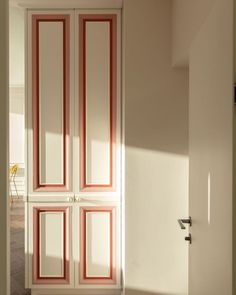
(97, 149)
(210, 115)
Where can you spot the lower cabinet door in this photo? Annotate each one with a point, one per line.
(74, 246)
(50, 246)
(97, 247)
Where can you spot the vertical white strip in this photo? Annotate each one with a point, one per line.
(98, 244)
(122, 99)
(4, 131)
(51, 102)
(51, 244)
(97, 102)
(209, 198)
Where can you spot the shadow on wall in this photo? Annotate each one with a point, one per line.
(51, 266)
(156, 153)
(156, 94)
(55, 262)
(156, 159)
(129, 291)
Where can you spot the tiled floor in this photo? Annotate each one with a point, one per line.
(17, 249)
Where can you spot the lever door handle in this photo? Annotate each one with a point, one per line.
(189, 238)
(182, 221)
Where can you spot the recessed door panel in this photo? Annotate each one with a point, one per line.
(50, 72)
(51, 245)
(51, 102)
(97, 245)
(98, 101)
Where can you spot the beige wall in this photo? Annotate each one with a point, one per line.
(16, 46)
(234, 163)
(187, 18)
(210, 153)
(4, 266)
(156, 139)
(234, 200)
(16, 125)
(17, 81)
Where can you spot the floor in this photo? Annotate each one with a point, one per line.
(17, 248)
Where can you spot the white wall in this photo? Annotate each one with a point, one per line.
(156, 139)
(187, 18)
(16, 46)
(234, 197)
(4, 202)
(234, 163)
(17, 81)
(17, 125)
(210, 153)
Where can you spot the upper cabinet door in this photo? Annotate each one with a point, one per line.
(73, 96)
(49, 92)
(98, 92)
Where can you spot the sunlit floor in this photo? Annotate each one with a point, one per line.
(17, 248)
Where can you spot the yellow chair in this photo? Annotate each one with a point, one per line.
(13, 171)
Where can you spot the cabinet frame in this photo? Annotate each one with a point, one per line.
(72, 196)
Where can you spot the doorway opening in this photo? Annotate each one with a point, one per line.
(72, 199)
(17, 148)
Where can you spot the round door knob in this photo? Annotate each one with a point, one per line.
(77, 199)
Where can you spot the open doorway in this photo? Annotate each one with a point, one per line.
(73, 141)
(16, 148)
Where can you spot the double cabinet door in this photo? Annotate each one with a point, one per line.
(74, 246)
(73, 149)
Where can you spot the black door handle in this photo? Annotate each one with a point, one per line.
(189, 238)
(182, 221)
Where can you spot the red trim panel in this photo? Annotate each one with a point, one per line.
(65, 20)
(84, 279)
(37, 279)
(83, 20)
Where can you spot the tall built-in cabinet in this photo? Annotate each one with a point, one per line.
(73, 131)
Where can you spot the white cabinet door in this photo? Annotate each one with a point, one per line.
(74, 97)
(97, 149)
(50, 103)
(97, 246)
(97, 112)
(50, 245)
